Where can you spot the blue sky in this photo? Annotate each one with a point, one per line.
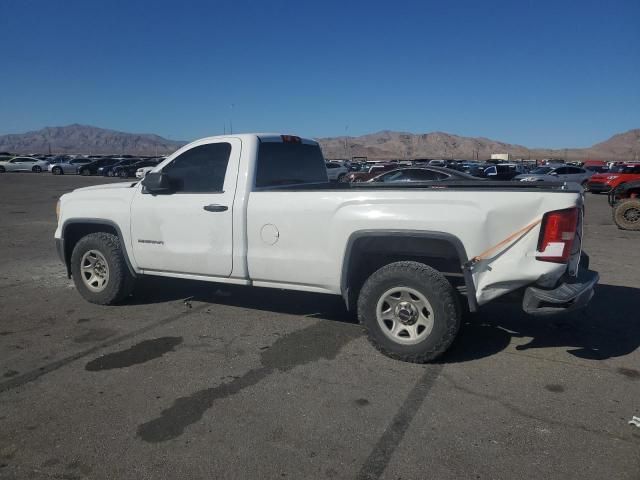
(539, 73)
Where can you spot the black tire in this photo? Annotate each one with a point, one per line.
(85, 172)
(585, 186)
(123, 174)
(626, 215)
(110, 173)
(2, 170)
(36, 169)
(120, 281)
(438, 292)
(342, 178)
(57, 171)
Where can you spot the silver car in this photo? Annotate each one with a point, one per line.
(70, 166)
(556, 173)
(24, 164)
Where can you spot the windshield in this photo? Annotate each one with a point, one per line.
(541, 170)
(625, 169)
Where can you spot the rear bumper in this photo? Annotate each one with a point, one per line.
(599, 187)
(572, 294)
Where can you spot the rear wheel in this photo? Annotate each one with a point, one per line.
(99, 269)
(85, 172)
(123, 174)
(626, 215)
(585, 186)
(36, 169)
(2, 170)
(56, 170)
(409, 311)
(342, 178)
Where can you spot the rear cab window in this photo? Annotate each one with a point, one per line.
(288, 163)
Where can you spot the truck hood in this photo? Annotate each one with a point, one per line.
(107, 186)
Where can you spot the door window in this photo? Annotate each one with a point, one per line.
(200, 169)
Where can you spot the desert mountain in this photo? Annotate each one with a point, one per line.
(402, 145)
(384, 145)
(88, 140)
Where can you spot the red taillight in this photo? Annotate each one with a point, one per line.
(290, 139)
(557, 233)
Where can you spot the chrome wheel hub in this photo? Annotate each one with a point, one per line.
(94, 270)
(405, 315)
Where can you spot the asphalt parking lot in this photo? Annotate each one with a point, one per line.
(255, 383)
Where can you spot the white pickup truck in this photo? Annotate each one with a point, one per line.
(258, 210)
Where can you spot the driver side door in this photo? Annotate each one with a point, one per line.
(189, 230)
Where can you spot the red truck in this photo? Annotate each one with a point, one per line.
(605, 182)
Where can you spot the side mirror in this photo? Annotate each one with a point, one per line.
(157, 183)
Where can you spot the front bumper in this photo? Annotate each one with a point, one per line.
(572, 294)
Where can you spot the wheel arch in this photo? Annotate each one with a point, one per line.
(74, 229)
(368, 250)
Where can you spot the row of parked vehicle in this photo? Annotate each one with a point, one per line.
(597, 179)
(105, 166)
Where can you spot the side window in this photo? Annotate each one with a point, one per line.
(426, 175)
(562, 171)
(200, 169)
(397, 176)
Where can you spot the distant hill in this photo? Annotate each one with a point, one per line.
(403, 145)
(88, 140)
(384, 145)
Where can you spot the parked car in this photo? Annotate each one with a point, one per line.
(503, 171)
(557, 173)
(625, 200)
(141, 172)
(596, 168)
(616, 176)
(92, 168)
(129, 170)
(69, 166)
(421, 174)
(370, 172)
(23, 164)
(107, 170)
(336, 171)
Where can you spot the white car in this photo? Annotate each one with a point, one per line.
(24, 164)
(557, 173)
(141, 172)
(336, 171)
(259, 210)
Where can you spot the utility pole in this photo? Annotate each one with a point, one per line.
(346, 143)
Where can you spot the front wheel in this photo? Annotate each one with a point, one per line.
(409, 311)
(56, 171)
(36, 169)
(85, 172)
(123, 174)
(99, 269)
(2, 169)
(626, 215)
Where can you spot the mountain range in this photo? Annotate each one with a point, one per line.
(384, 145)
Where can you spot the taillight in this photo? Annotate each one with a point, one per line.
(557, 232)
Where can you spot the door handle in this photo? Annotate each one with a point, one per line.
(214, 207)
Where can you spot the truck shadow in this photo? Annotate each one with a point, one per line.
(160, 290)
(608, 328)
